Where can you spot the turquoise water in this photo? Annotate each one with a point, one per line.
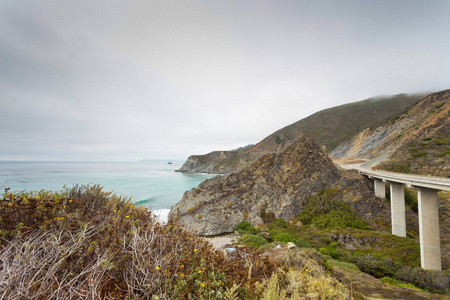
(153, 184)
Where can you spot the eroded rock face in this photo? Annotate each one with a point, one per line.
(423, 120)
(274, 185)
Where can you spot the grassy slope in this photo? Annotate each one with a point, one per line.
(332, 126)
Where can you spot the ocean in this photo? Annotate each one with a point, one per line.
(153, 184)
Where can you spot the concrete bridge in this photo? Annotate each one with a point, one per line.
(430, 242)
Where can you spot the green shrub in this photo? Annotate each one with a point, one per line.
(284, 237)
(411, 199)
(378, 267)
(339, 219)
(346, 266)
(276, 235)
(302, 243)
(252, 241)
(433, 281)
(331, 250)
(389, 280)
(245, 228)
(324, 210)
(279, 223)
(423, 154)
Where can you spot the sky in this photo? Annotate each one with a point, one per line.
(127, 80)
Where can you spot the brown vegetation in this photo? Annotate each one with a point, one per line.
(88, 244)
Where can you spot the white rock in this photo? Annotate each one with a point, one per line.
(291, 245)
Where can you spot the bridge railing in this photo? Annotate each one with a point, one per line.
(410, 180)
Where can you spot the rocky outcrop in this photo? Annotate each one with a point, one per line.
(226, 162)
(275, 185)
(217, 162)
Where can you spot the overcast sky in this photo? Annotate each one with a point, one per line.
(129, 80)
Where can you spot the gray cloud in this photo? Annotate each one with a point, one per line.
(127, 80)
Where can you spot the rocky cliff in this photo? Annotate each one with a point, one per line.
(218, 162)
(226, 162)
(273, 186)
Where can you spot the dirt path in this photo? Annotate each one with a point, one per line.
(220, 242)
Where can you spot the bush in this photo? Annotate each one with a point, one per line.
(346, 266)
(302, 243)
(252, 241)
(331, 249)
(284, 237)
(433, 281)
(378, 267)
(84, 242)
(276, 235)
(324, 210)
(279, 223)
(245, 228)
(411, 199)
(307, 276)
(389, 280)
(339, 219)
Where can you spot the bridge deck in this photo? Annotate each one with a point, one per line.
(437, 183)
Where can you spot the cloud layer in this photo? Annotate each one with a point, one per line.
(129, 80)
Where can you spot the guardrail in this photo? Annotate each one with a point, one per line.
(437, 183)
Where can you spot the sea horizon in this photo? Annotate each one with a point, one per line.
(152, 183)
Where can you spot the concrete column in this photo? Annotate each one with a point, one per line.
(379, 186)
(430, 241)
(398, 220)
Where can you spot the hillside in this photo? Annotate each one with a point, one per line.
(332, 126)
(280, 185)
(416, 141)
(328, 128)
(298, 196)
(84, 243)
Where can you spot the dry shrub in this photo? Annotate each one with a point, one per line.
(36, 267)
(306, 278)
(85, 243)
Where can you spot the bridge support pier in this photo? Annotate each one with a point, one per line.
(398, 219)
(430, 242)
(380, 188)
